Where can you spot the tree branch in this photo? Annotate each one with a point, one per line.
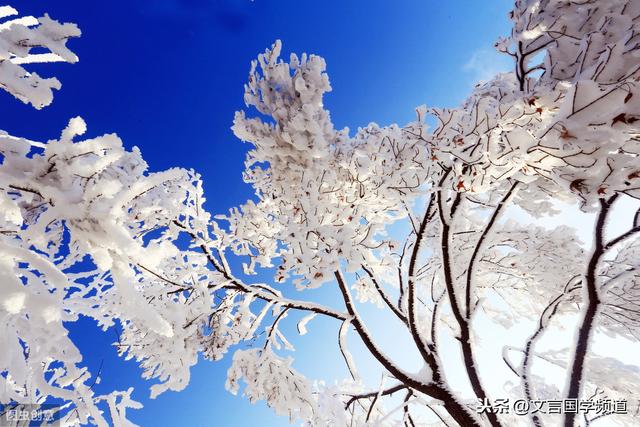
(624, 236)
(545, 317)
(384, 296)
(411, 291)
(263, 295)
(465, 333)
(476, 251)
(436, 390)
(591, 307)
(385, 392)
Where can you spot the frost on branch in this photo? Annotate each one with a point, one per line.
(523, 266)
(18, 36)
(561, 127)
(588, 88)
(231, 323)
(63, 201)
(325, 195)
(271, 378)
(621, 292)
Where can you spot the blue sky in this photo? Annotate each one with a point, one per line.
(167, 76)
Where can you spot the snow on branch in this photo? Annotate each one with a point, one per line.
(18, 36)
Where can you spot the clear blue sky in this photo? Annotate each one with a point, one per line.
(167, 76)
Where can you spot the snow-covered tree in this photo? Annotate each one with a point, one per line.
(87, 231)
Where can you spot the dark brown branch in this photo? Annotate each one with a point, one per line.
(407, 414)
(520, 67)
(366, 338)
(591, 309)
(384, 296)
(373, 404)
(545, 317)
(274, 327)
(476, 251)
(622, 237)
(465, 332)
(30, 190)
(385, 392)
(434, 389)
(411, 291)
